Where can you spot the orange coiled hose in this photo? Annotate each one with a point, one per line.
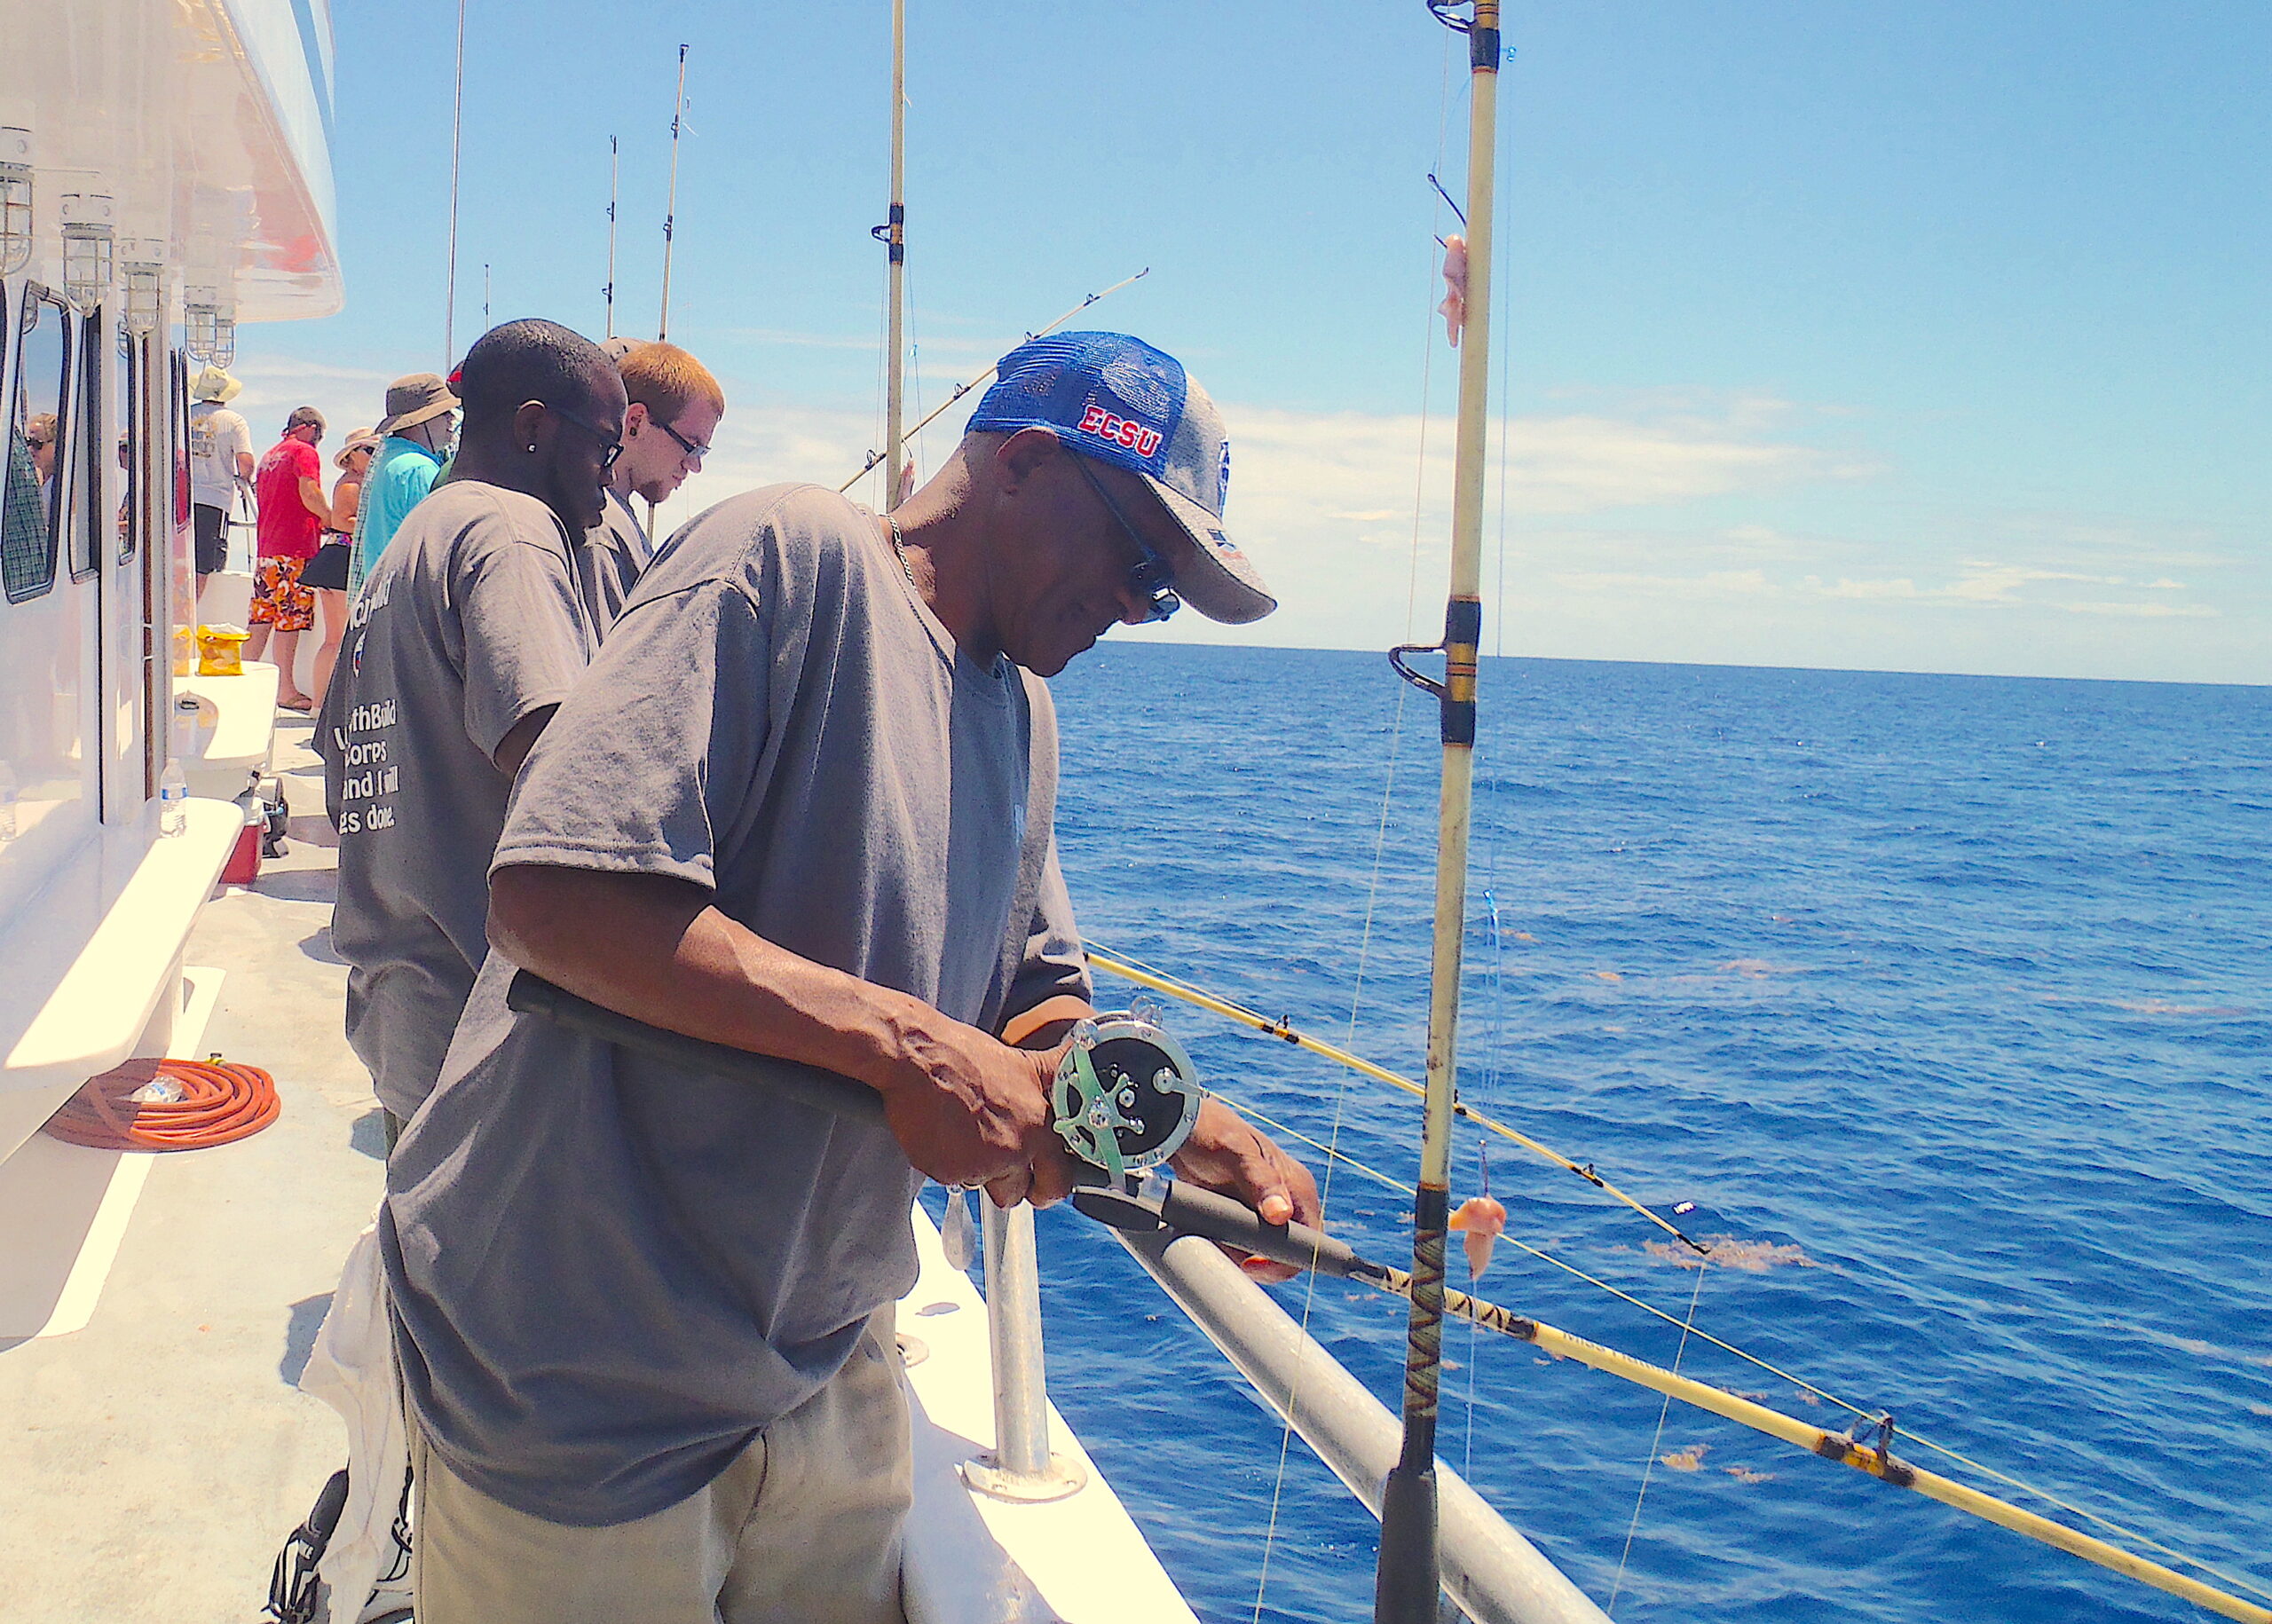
(220, 1101)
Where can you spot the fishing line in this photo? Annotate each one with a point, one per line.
(1283, 1027)
(1656, 1442)
(1380, 846)
(1467, 1455)
(1689, 1328)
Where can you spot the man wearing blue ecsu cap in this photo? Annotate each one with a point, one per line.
(803, 803)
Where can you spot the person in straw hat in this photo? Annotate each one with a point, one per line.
(220, 464)
(421, 414)
(326, 571)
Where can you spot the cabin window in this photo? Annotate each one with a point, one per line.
(31, 486)
(91, 444)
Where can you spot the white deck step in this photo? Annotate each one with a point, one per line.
(86, 964)
(228, 741)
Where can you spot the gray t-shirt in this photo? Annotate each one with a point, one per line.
(609, 561)
(610, 1273)
(471, 622)
(216, 436)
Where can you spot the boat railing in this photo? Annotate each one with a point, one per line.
(1489, 1570)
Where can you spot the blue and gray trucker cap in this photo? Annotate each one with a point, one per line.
(1118, 400)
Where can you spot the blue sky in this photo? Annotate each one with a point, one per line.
(1927, 338)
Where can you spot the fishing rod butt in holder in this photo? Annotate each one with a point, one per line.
(1410, 1571)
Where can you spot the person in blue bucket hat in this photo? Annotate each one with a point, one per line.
(803, 803)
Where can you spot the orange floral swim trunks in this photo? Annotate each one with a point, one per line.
(278, 598)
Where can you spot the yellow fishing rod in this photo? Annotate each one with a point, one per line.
(1189, 1210)
(1284, 1030)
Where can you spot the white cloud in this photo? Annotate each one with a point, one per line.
(2143, 612)
(1607, 554)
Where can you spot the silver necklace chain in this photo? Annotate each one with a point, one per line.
(899, 550)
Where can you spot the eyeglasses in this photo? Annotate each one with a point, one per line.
(695, 450)
(610, 447)
(1149, 577)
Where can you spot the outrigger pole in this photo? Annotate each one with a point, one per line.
(894, 234)
(1406, 1582)
(670, 209)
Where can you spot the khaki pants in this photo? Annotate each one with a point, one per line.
(803, 1525)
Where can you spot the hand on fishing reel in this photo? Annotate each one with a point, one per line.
(977, 1113)
(1127, 1099)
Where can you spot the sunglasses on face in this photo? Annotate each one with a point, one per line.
(610, 447)
(695, 450)
(1149, 577)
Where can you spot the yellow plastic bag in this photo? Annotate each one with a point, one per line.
(219, 651)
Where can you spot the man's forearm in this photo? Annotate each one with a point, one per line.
(654, 948)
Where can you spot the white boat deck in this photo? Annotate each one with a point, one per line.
(156, 1311)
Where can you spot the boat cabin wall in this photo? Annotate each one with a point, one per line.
(190, 139)
(95, 564)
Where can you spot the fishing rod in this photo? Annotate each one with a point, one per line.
(614, 173)
(1284, 1030)
(1125, 1099)
(1161, 1204)
(893, 234)
(961, 390)
(670, 211)
(1407, 1580)
(457, 130)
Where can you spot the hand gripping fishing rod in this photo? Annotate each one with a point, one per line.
(1405, 1585)
(1125, 1098)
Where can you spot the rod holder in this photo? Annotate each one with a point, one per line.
(1020, 1466)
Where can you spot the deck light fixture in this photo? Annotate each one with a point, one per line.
(201, 311)
(89, 248)
(145, 289)
(224, 352)
(15, 198)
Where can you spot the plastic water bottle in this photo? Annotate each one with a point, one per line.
(173, 801)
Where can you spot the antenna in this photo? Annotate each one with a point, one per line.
(608, 292)
(485, 295)
(670, 209)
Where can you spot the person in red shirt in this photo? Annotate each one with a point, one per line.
(292, 511)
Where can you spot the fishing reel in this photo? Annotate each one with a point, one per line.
(1125, 1096)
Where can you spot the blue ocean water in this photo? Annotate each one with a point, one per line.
(1950, 998)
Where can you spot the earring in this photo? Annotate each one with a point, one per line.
(531, 447)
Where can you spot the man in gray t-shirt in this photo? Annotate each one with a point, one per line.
(460, 646)
(803, 803)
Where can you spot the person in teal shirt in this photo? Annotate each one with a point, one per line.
(415, 433)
